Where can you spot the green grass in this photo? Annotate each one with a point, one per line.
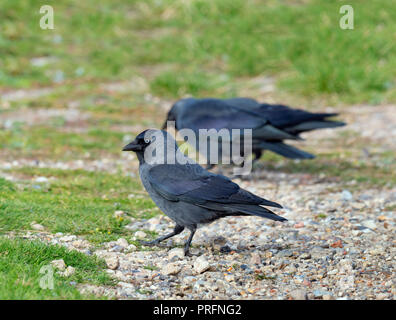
(22, 260)
(205, 45)
(162, 50)
(74, 201)
(51, 143)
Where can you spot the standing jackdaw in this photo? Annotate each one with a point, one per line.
(186, 192)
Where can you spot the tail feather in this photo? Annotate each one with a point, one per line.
(313, 125)
(284, 150)
(269, 132)
(255, 211)
(268, 203)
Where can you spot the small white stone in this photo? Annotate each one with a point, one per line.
(68, 238)
(122, 242)
(140, 234)
(346, 195)
(201, 264)
(369, 224)
(59, 264)
(119, 213)
(255, 258)
(38, 227)
(171, 269)
(69, 271)
(381, 296)
(176, 252)
(112, 262)
(299, 294)
(229, 278)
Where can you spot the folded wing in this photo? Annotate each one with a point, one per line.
(191, 183)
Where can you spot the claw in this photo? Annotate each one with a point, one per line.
(187, 253)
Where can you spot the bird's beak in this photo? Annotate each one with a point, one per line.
(133, 146)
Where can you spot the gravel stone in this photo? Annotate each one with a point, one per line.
(171, 269)
(201, 265)
(299, 294)
(59, 264)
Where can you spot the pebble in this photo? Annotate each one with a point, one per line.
(201, 265)
(140, 235)
(285, 253)
(171, 269)
(122, 243)
(112, 262)
(68, 238)
(176, 253)
(119, 214)
(41, 179)
(218, 243)
(305, 256)
(299, 225)
(299, 294)
(369, 224)
(59, 264)
(319, 253)
(320, 293)
(381, 296)
(69, 271)
(255, 258)
(38, 227)
(346, 195)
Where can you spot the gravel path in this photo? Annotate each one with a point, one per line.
(339, 242)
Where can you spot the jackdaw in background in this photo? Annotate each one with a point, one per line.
(186, 192)
(271, 124)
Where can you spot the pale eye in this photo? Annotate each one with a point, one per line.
(147, 140)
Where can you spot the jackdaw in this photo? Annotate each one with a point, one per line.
(185, 191)
(271, 124)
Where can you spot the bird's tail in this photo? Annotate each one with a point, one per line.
(284, 150)
(313, 125)
(255, 210)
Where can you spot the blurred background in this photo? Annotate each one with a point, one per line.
(110, 67)
(72, 96)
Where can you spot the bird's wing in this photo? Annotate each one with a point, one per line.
(217, 114)
(248, 103)
(191, 183)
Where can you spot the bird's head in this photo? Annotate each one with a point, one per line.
(153, 146)
(177, 110)
(142, 141)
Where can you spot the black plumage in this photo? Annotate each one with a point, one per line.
(271, 124)
(191, 195)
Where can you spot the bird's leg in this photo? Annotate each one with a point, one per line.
(188, 242)
(178, 229)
